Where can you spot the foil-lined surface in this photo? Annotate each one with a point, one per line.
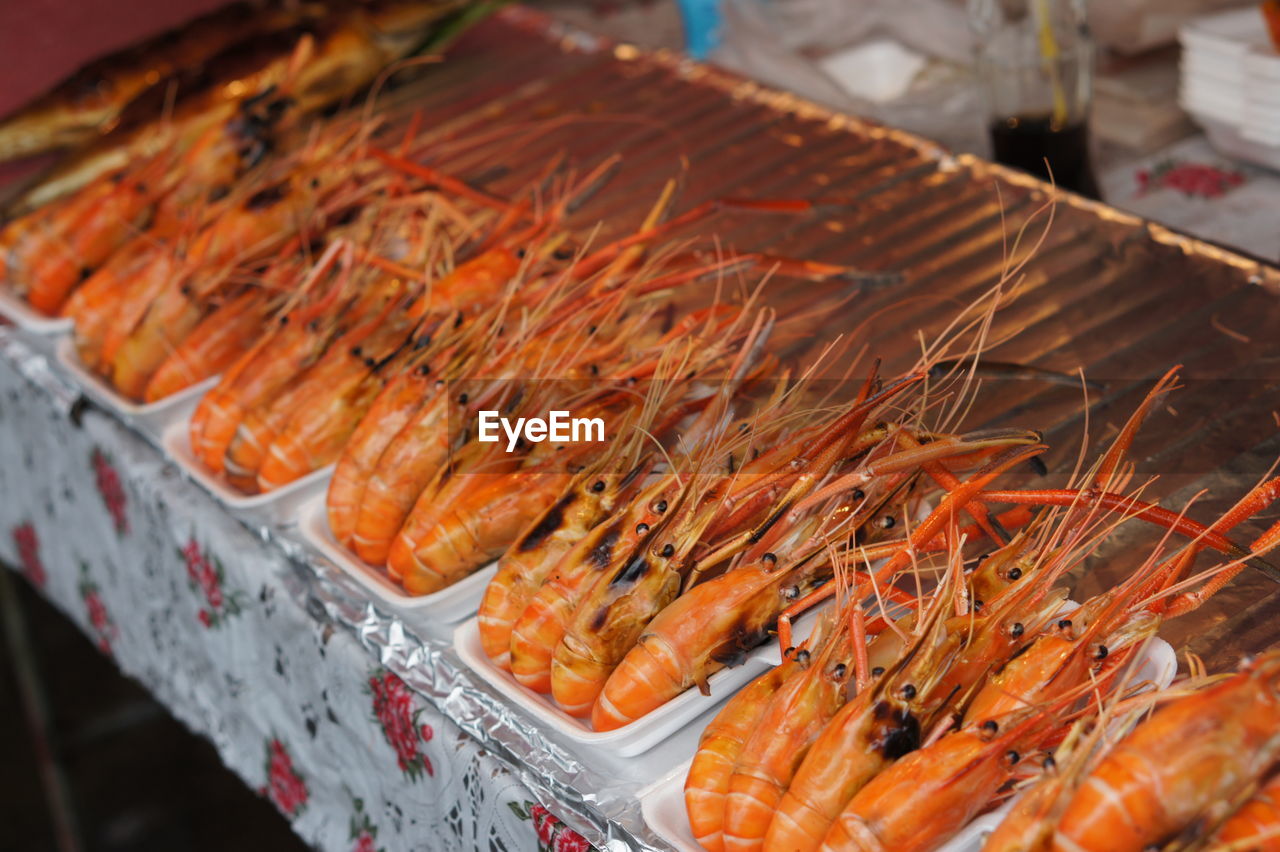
(1096, 290)
(1102, 291)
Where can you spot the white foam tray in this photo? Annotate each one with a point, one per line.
(152, 417)
(447, 606)
(1233, 32)
(1237, 142)
(662, 803)
(278, 506)
(663, 810)
(644, 733)
(1262, 69)
(28, 318)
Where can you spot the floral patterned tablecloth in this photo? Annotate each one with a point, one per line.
(216, 624)
(1190, 186)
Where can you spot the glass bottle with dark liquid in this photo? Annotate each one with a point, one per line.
(1035, 63)
(1036, 144)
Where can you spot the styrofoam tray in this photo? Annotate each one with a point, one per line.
(1261, 124)
(1262, 67)
(1268, 136)
(153, 417)
(1216, 91)
(1234, 32)
(278, 506)
(1221, 110)
(642, 734)
(662, 803)
(448, 605)
(1231, 141)
(1211, 70)
(28, 318)
(1200, 110)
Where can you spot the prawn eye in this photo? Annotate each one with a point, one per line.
(1101, 653)
(908, 692)
(791, 592)
(668, 550)
(858, 494)
(877, 671)
(977, 605)
(521, 252)
(1017, 630)
(597, 486)
(1049, 762)
(839, 670)
(991, 726)
(791, 649)
(802, 657)
(641, 529)
(769, 557)
(562, 253)
(1013, 757)
(661, 507)
(1064, 624)
(462, 399)
(887, 522)
(1015, 573)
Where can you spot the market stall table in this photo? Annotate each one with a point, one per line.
(353, 714)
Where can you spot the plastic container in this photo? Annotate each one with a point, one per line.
(151, 417)
(449, 605)
(662, 803)
(279, 506)
(27, 318)
(642, 734)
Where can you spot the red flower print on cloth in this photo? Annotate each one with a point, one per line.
(104, 630)
(112, 491)
(569, 840)
(28, 544)
(394, 710)
(285, 787)
(544, 823)
(364, 834)
(1194, 180)
(553, 835)
(206, 575)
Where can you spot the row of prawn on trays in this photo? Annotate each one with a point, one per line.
(348, 309)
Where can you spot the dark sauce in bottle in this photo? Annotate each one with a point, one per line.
(1026, 142)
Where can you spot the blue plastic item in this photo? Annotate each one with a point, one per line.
(701, 26)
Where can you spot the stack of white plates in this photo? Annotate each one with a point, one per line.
(1231, 80)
